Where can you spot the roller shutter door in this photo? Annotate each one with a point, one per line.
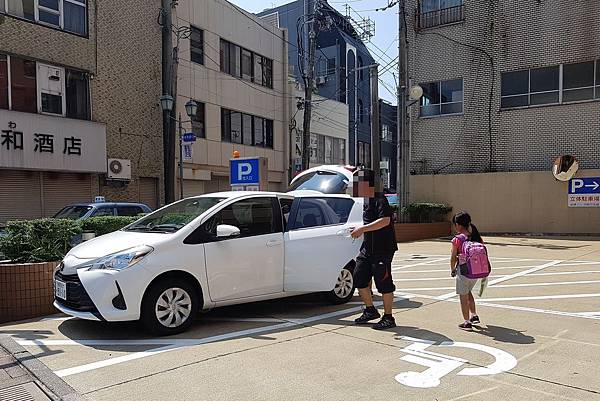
(20, 195)
(62, 189)
(149, 192)
(193, 188)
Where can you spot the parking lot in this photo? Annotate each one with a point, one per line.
(538, 339)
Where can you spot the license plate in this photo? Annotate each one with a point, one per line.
(60, 289)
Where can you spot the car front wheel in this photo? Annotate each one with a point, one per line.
(344, 287)
(169, 307)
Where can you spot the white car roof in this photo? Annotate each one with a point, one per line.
(296, 194)
(327, 167)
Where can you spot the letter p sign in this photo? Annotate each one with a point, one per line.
(244, 170)
(575, 185)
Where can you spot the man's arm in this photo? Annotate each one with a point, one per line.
(374, 226)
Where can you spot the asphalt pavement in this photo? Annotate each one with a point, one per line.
(538, 339)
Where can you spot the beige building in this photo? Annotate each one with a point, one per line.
(234, 65)
(78, 88)
(329, 131)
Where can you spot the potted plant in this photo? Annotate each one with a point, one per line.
(425, 220)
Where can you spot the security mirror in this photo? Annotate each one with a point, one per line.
(565, 167)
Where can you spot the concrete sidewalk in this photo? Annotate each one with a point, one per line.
(23, 377)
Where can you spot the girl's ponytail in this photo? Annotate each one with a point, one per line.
(475, 236)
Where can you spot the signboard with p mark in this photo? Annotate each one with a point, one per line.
(584, 192)
(249, 174)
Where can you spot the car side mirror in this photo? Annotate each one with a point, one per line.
(227, 231)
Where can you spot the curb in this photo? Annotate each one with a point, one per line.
(57, 388)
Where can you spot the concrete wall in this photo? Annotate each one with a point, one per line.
(206, 83)
(521, 202)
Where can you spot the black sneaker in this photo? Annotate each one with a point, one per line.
(465, 326)
(386, 322)
(367, 316)
(475, 320)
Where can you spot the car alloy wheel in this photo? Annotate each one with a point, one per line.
(173, 307)
(344, 285)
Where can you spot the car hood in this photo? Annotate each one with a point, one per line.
(116, 242)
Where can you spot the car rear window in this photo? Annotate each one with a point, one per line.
(315, 212)
(323, 181)
(72, 212)
(129, 210)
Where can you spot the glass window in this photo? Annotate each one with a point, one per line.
(199, 122)
(544, 79)
(337, 209)
(2, 9)
(286, 208)
(361, 71)
(247, 129)
(51, 104)
(129, 210)
(515, 83)
(197, 45)
(226, 125)
(430, 101)
(103, 211)
(322, 181)
(452, 91)
(236, 127)
(258, 69)
(530, 87)
(331, 68)
(72, 212)
(75, 16)
(252, 216)
(444, 97)
(361, 112)
(267, 72)
(309, 215)
(23, 85)
(234, 60)
(22, 8)
(320, 148)
(77, 92)
(3, 81)
(247, 65)
(578, 81)
(224, 53)
(175, 216)
(259, 131)
(269, 133)
(328, 150)
(314, 144)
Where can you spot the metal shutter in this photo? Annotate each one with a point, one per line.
(19, 195)
(192, 188)
(62, 189)
(149, 192)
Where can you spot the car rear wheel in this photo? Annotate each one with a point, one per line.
(344, 287)
(169, 307)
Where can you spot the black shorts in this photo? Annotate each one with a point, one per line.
(378, 267)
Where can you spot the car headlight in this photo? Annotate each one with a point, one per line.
(121, 260)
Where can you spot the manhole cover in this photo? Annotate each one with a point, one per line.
(23, 392)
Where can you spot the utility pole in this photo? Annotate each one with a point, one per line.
(403, 140)
(375, 135)
(167, 89)
(308, 87)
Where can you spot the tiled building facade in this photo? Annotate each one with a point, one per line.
(509, 86)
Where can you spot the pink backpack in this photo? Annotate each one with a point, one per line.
(473, 259)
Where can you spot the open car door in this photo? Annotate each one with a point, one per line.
(318, 243)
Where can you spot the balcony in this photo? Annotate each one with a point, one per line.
(443, 16)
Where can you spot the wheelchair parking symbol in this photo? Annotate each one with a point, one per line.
(439, 365)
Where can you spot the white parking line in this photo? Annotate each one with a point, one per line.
(175, 345)
(508, 285)
(590, 313)
(429, 262)
(543, 297)
(244, 319)
(509, 277)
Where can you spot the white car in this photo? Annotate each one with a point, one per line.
(213, 250)
(328, 179)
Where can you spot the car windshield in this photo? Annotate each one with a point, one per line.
(72, 212)
(173, 217)
(323, 181)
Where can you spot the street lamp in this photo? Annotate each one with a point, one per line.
(191, 108)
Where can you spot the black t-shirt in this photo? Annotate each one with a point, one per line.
(382, 241)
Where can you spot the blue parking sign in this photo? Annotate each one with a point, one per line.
(244, 171)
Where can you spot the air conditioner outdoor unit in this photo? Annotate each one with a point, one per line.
(119, 169)
(321, 80)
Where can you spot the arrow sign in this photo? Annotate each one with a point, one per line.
(189, 137)
(587, 185)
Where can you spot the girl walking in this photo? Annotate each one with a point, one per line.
(466, 231)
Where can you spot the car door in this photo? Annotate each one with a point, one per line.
(318, 243)
(250, 264)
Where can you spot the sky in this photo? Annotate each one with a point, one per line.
(383, 46)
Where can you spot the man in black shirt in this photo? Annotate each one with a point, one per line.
(377, 251)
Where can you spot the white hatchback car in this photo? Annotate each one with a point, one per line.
(213, 250)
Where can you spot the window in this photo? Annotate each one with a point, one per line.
(246, 129)
(331, 68)
(386, 133)
(328, 150)
(267, 78)
(197, 45)
(103, 211)
(129, 210)
(314, 145)
(360, 111)
(72, 212)
(224, 56)
(442, 98)
(364, 154)
(578, 81)
(199, 121)
(247, 64)
(252, 216)
(359, 65)
(322, 181)
(3, 81)
(77, 93)
(258, 69)
(314, 212)
(50, 83)
(23, 85)
(286, 208)
(339, 151)
(69, 15)
(439, 12)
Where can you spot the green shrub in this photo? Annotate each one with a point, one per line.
(107, 224)
(41, 240)
(423, 212)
